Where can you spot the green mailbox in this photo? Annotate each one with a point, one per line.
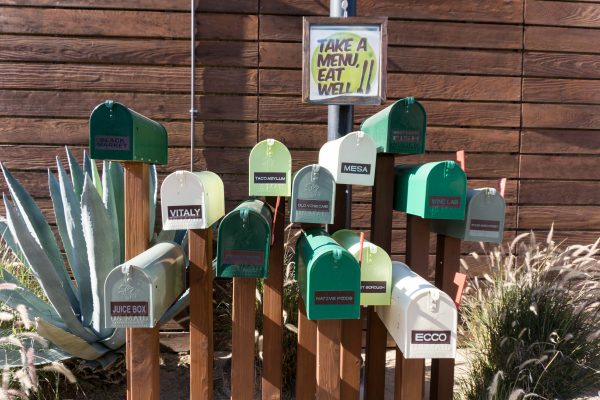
(375, 268)
(399, 128)
(434, 190)
(244, 240)
(270, 169)
(328, 277)
(313, 196)
(121, 134)
(484, 221)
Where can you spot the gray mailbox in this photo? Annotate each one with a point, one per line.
(138, 292)
(313, 196)
(484, 221)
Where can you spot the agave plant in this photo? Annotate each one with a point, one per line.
(89, 212)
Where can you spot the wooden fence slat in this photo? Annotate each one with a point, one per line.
(561, 116)
(328, 359)
(563, 217)
(540, 141)
(550, 38)
(243, 326)
(306, 367)
(559, 167)
(351, 358)
(561, 65)
(241, 6)
(544, 90)
(551, 192)
(562, 13)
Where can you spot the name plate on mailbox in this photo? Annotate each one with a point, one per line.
(328, 277)
(138, 292)
(191, 200)
(350, 159)
(244, 241)
(121, 134)
(421, 318)
(375, 268)
(434, 190)
(399, 128)
(270, 169)
(484, 221)
(313, 196)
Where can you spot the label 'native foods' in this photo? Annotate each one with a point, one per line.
(184, 212)
(331, 297)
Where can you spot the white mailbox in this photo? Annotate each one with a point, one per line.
(191, 200)
(138, 292)
(421, 318)
(350, 159)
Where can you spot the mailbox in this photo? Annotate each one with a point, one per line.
(121, 134)
(328, 277)
(191, 200)
(270, 169)
(350, 159)
(244, 240)
(138, 292)
(399, 128)
(433, 190)
(375, 268)
(421, 318)
(313, 196)
(484, 221)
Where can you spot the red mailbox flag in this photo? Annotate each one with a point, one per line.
(460, 158)
(502, 186)
(459, 280)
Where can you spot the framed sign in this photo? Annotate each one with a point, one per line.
(344, 60)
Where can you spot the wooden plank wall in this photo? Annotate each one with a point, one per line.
(513, 83)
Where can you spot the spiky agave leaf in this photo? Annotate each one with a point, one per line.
(180, 304)
(117, 177)
(72, 344)
(108, 198)
(76, 172)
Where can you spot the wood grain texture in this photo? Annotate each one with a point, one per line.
(241, 6)
(561, 116)
(350, 358)
(409, 374)
(561, 65)
(328, 359)
(306, 359)
(543, 90)
(540, 141)
(201, 314)
(561, 13)
(560, 39)
(563, 217)
(559, 167)
(558, 192)
(243, 325)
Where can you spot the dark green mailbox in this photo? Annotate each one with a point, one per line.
(328, 277)
(399, 128)
(244, 240)
(121, 134)
(434, 190)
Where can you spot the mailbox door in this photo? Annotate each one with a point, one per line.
(244, 241)
(486, 211)
(313, 196)
(357, 155)
(150, 140)
(183, 202)
(111, 132)
(270, 169)
(128, 299)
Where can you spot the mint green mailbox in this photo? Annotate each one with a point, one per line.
(121, 134)
(328, 277)
(484, 221)
(434, 190)
(244, 241)
(399, 128)
(270, 169)
(375, 268)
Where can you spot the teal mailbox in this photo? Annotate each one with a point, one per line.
(244, 241)
(328, 277)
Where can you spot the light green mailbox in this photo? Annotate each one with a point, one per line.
(121, 134)
(138, 292)
(328, 277)
(270, 169)
(434, 190)
(244, 241)
(484, 220)
(399, 128)
(375, 268)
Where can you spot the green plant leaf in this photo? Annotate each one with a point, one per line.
(11, 358)
(116, 340)
(70, 343)
(87, 165)
(41, 234)
(118, 183)
(108, 198)
(76, 172)
(11, 243)
(97, 231)
(182, 302)
(153, 198)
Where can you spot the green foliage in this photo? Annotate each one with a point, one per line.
(531, 326)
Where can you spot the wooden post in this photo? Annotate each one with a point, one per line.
(306, 359)
(381, 235)
(351, 358)
(201, 314)
(447, 264)
(410, 373)
(328, 359)
(242, 362)
(142, 344)
(272, 308)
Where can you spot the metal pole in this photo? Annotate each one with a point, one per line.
(193, 110)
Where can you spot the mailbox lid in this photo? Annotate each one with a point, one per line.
(121, 134)
(244, 241)
(350, 159)
(435, 190)
(270, 169)
(399, 128)
(313, 196)
(375, 268)
(486, 213)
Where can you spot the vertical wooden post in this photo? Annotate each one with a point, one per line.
(272, 309)
(328, 359)
(306, 358)
(142, 344)
(382, 205)
(447, 264)
(351, 358)
(201, 314)
(410, 373)
(244, 319)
